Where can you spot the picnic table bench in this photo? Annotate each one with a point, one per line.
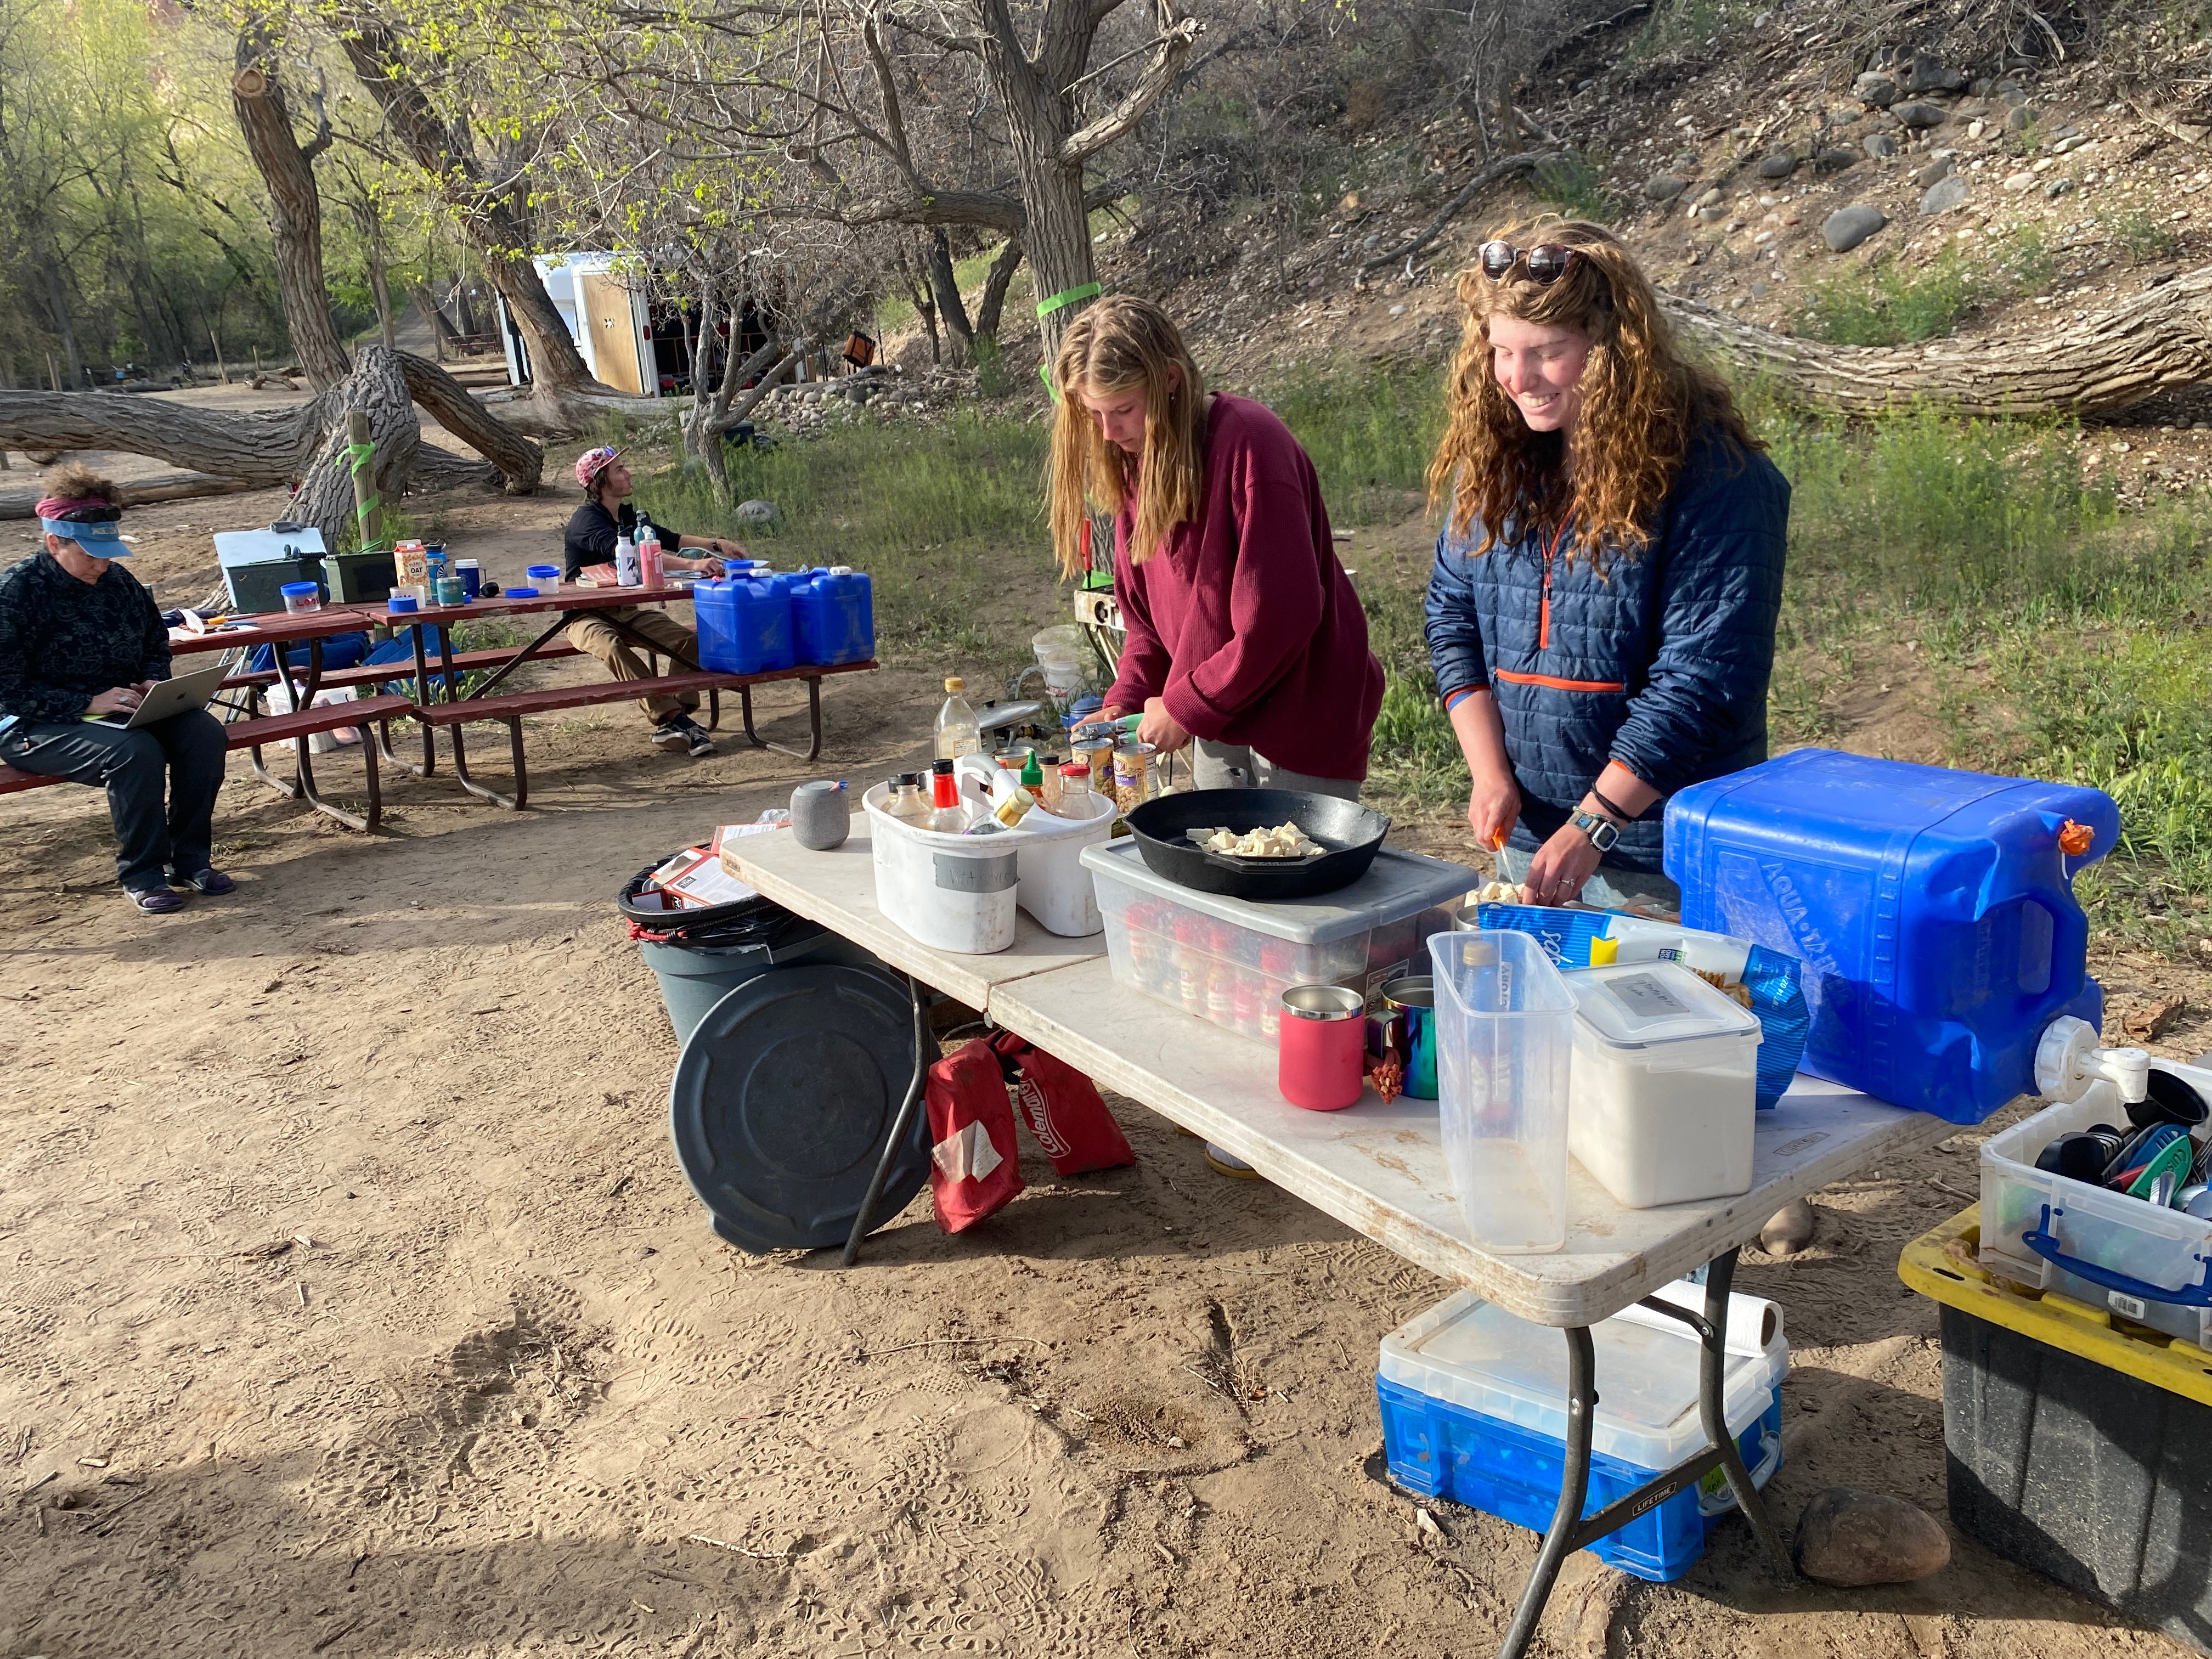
(254, 735)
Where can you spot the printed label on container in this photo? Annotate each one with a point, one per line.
(958, 875)
(2127, 1307)
(1647, 996)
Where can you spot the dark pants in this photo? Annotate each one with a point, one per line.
(188, 748)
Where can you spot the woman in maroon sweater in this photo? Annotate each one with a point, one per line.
(1244, 635)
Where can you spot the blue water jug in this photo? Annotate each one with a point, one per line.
(1933, 912)
(722, 609)
(865, 592)
(767, 609)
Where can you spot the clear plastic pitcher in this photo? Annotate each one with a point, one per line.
(1505, 1031)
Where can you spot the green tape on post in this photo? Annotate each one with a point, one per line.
(1069, 296)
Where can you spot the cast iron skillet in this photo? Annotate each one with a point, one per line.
(1350, 834)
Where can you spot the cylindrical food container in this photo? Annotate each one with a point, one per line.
(300, 597)
(1407, 1028)
(471, 577)
(452, 591)
(1132, 775)
(544, 577)
(1097, 754)
(1322, 1046)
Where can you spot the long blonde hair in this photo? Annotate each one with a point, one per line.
(1121, 344)
(1641, 401)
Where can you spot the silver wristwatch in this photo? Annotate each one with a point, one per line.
(1602, 833)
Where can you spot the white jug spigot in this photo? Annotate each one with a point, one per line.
(2068, 1063)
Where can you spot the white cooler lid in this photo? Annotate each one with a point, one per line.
(1479, 1357)
(1641, 1004)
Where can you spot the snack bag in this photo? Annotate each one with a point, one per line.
(1765, 982)
(974, 1170)
(1063, 1109)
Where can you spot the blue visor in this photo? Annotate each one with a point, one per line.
(101, 541)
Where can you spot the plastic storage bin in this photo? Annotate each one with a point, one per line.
(2050, 1232)
(1229, 960)
(2080, 1451)
(952, 892)
(1665, 1090)
(1474, 1409)
(1504, 1046)
(1054, 886)
(1932, 911)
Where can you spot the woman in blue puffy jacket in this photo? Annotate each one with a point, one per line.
(1602, 614)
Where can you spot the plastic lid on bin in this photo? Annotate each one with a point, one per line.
(1476, 1356)
(782, 1098)
(537, 570)
(297, 590)
(401, 604)
(511, 592)
(1640, 1005)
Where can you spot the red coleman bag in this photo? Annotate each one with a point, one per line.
(1062, 1108)
(974, 1171)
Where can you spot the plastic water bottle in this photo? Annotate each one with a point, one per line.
(958, 735)
(626, 570)
(649, 571)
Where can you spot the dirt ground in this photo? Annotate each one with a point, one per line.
(355, 1304)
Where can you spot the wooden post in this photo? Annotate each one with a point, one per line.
(368, 513)
(222, 372)
(52, 373)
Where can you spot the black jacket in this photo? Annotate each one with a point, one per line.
(63, 641)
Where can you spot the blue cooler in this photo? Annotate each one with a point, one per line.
(1474, 1409)
(1933, 911)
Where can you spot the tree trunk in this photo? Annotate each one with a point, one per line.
(378, 388)
(486, 215)
(296, 207)
(441, 329)
(380, 287)
(58, 307)
(994, 292)
(1058, 241)
(945, 285)
(521, 464)
(2154, 342)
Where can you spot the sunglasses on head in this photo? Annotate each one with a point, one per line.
(1546, 263)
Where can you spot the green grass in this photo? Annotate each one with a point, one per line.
(947, 520)
(1371, 431)
(1576, 189)
(2145, 234)
(1887, 304)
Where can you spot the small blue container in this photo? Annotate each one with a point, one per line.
(1932, 911)
(1474, 1405)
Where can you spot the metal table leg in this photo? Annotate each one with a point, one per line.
(813, 722)
(901, 1123)
(1569, 1531)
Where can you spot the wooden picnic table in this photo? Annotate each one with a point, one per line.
(565, 604)
(1379, 1169)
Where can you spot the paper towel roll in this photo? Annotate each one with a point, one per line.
(1754, 1324)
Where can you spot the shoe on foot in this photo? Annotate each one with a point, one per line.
(695, 738)
(158, 901)
(670, 738)
(211, 882)
(1223, 1162)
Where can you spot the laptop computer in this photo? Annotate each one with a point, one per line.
(174, 696)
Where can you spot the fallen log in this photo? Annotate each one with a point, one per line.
(2154, 342)
(160, 487)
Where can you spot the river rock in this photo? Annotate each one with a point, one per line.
(1776, 164)
(1665, 187)
(1834, 159)
(1846, 228)
(1919, 113)
(1941, 168)
(1789, 1228)
(1852, 1539)
(1929, 74)
(2018, 119)
(2058, 187)
(2018, 182)
(1946, 194)
(1875, 88)
(756, 511)
(1878, 145)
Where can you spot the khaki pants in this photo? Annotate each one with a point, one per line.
(1235, 766)
(596, 636)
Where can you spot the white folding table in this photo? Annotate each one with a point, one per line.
(1378, 1168)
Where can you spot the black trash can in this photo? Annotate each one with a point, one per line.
(701, 956)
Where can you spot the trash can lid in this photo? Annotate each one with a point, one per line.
(781, 1101)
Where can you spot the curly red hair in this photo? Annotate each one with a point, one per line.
(1641, 400)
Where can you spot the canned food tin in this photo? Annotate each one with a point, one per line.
(1132, 775)
(1097, 754)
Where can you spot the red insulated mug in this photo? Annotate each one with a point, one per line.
(1323, 1047)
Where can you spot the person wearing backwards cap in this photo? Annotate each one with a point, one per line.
(80, 641)
(610, 635)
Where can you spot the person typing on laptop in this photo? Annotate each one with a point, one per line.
(80, 645)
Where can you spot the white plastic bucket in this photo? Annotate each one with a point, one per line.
(1054, 887)
(952, 892)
